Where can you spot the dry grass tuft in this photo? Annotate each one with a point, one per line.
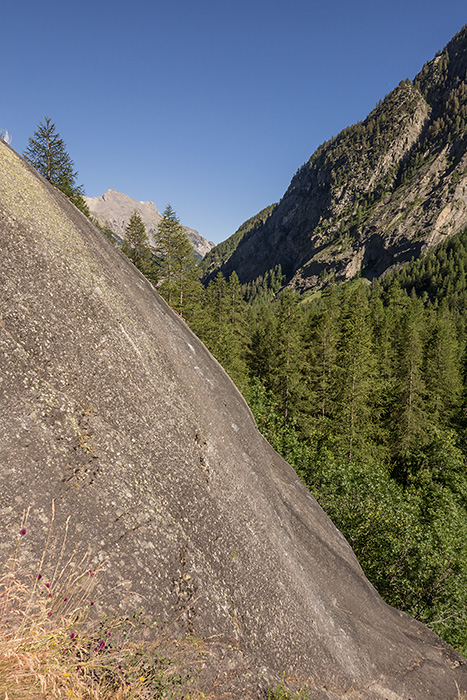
(49, 648)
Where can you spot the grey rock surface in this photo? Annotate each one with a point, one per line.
(111, 407)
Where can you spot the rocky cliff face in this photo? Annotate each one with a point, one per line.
(380, 193)
(115, 209)
(112, 408)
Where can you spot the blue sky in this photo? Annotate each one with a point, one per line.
(210, 105)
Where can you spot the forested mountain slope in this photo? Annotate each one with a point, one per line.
(381, 192)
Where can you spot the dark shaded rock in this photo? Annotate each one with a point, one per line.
(111, 406)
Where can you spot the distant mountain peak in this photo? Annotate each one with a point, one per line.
(114, 209)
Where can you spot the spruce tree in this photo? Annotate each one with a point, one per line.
(218, 305)
(47, 153)
(285, 380)
(136, 245)
(354, 408)
(320, 336)
(409, 411)
(175, 260)
(234, 336)
(224, 329)
(261, 348)
(442, 369)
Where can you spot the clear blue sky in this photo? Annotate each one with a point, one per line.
(209, 105)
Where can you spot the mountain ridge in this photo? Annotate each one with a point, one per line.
(379, 193)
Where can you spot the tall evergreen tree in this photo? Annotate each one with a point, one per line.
(237, 332)
(224, 330)
(409, 415)
(354, 409)
(286, 377)
(321, 336)
(442, 369)
(136, 245)
(261, 349)
(175, 259)
(218, 313)
(47, 153)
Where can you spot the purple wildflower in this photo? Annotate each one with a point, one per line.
(23, 531)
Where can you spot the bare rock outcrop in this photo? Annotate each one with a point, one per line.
(112, 407)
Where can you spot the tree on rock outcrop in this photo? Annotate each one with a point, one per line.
(47, 153)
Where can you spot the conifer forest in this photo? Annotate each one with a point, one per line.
(362, 388)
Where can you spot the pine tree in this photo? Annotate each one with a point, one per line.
(287, 366)
(442, 369)
(175, 259)
(136, 245)
(238, 332)
(354, 409)
(194, 307)
(218, 309)
(409, 415)
(47, 153)
(261, 349)
(321, 334)
(223, 331)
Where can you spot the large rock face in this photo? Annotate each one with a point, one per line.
(381, 192)
(115, 209)
(111, 406)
